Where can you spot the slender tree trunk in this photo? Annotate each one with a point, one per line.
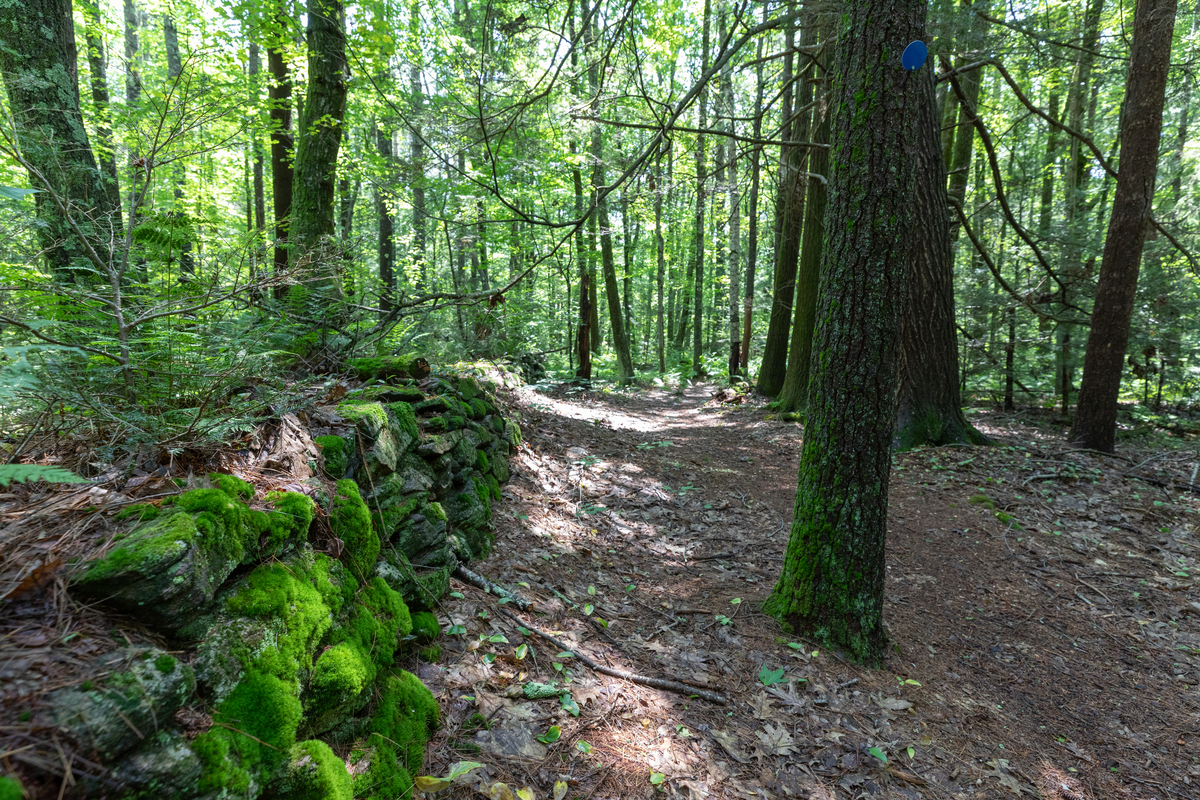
(1141, 129)
(964, 136)
(187, 264)
(698, 251)
(282, 143)
(752, 234)
(794, 393)
(260, 202)
(97, 66)
(735, 222)
(789, 224)
(417, 151)
(832, 584)
(387, 238)
(658, 188)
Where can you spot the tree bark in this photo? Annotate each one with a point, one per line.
(387, 240)
(282, 143)
(752, 233)
(1141, 129)
(832, 584)
(658, 189)
(320, 139)
(105, 147)
(698, 249)
(928, 402)
(187, 264)
(735, 221)
(41, 75)
(260, 200)
(794, 394)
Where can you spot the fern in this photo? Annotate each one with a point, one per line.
(22, 473)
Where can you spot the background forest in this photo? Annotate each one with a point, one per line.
(202, 198)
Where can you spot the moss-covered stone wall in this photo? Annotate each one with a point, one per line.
(282, 679)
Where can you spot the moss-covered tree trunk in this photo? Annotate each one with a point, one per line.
(832, 584)
(320, 135)
(1095, 423)
(38, 62)
(928, 400)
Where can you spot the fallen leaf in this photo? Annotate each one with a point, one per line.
(730, 744)
(777, 740)
(1009, 781)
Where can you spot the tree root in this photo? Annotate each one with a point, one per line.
(480, 582)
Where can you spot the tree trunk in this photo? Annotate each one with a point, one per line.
(964, 136)
(658, 188)
(735, 222)
(280, 94)
(387, 240)
(1141, 129)
(97, 66)
(260, 202)
(320, 139)
(832, 584)
(752, 234)
(417, 150)
(794, 394)
(928, 402)
(54, 141)
(789, 213)
(698, 250)
(187, 264)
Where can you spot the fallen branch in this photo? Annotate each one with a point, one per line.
(479, 582)
(632, 677)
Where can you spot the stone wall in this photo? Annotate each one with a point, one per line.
(291, 614)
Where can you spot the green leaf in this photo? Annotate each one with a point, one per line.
(911, 682)
(657, 778)
(23, 473)
(524, 631)
(456, 630)
(565, 654)
(587, 609)
(551, 736)
(488, 657)
(592, 591)
(457, 595)
(15, 194)
(875, 751)
(569, 705)
(498, 638)
(770, 676)
(522, 651)
(911, 753)
(583, 747)
(735, 601)
(462, 768)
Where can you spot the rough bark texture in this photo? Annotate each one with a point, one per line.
(387, 239)
(38, 62)
(832, 584)
(97, 66)
(735, 221)
(187, 264)
(752, 233)
(282, 142)
(260, 201)
(701, 198)
(1141, 128)
(928, 403)
(320, 130)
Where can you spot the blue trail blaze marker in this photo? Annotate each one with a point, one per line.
(914, 56)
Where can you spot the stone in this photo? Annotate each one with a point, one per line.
(139, 695)
(165, 766)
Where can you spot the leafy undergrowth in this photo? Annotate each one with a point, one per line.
(1042, 602)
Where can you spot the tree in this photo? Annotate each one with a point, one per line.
(282, 140)
(1095, 422)
(75, 198)
(831, 588)
(320, 128)
(928, 403)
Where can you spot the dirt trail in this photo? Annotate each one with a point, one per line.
(1041, 604)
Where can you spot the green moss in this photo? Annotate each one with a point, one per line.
(147, 550)
(436, 424)
(370, 417)
(253, 730)
(478, 408)
(288, 523)
(435, 511)
(385, 778)
(315, 773)
(467, 387)
(405, 418)
(430, 655)
(481, 461)
(493, 486)
(387, 393)
(142, 512)
(336, 453)
(407, 366)
(403, 719)
(232, 485)
(11, 789)
(165, 664)
(425, 627)
(351, 522)
(512, 431)
(223, 523)
(341, 673)
(982, 500)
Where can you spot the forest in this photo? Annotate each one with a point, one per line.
(304, 307)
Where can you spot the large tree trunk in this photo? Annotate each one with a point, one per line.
(1095, 423)
(54, 142)
(794, 394)
(282, 142)
(928, 403)
(320, 138)
(832, 584)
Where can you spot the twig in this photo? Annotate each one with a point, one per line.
(1093, 588)
(644, 680)
(480, 582)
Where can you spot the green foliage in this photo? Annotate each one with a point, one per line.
(11, 788)
(334, 448)
(27, 473)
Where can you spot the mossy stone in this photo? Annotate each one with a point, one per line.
(369, 417)
(313, 772)
(387, 393)
(500, 467)
(394, 499)
(439, 404)
(421, 588)
(512, 432)
(337, 455)
(138, 693)
(478, 408)
(351, 522)
(425, 627)
(163, 766)
(406, 366)
(404, 418)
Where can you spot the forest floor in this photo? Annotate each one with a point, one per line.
(1042, 606)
